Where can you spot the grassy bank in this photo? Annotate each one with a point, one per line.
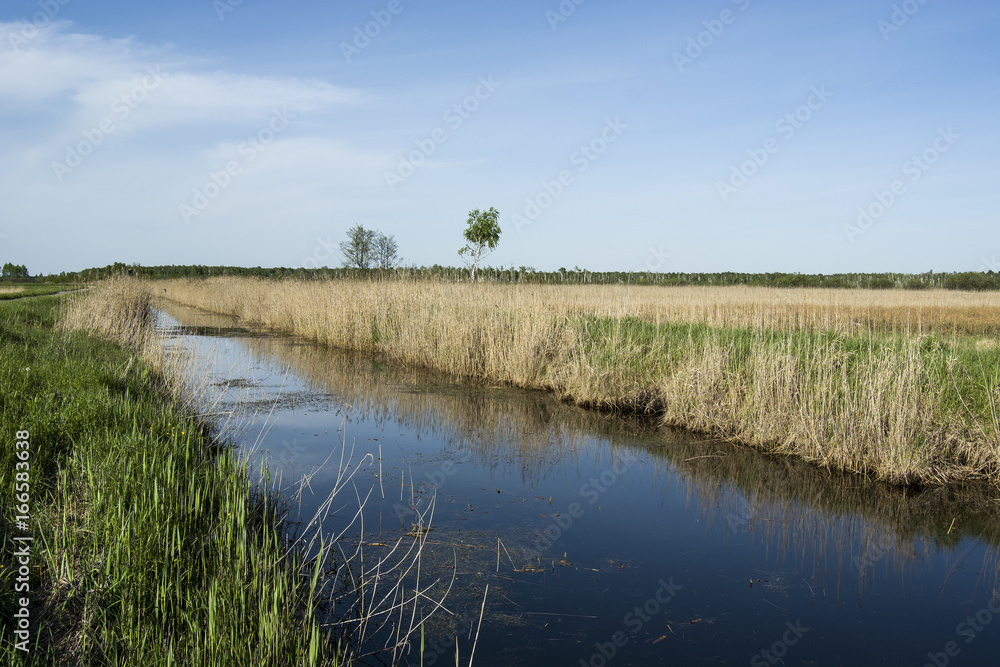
(17, 291)
(151, 546)
(900, 386)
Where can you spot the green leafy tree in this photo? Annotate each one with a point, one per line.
(359, 248)
(482, 234)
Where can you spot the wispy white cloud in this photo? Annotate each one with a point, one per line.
(93, 73)
(147, 123)
(122, 133)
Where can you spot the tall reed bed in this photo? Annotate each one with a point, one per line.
(872, 382)
(152, 546)
(120, 311)
(940, 312)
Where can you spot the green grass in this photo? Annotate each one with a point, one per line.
(903, 409)
(151, 544)
(34, 289)
(968, 376)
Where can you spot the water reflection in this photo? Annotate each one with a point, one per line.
(578, 519)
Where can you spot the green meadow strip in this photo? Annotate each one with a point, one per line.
(905, 409)
(11, 291)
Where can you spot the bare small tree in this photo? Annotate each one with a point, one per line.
(386, 251)
(359, 248)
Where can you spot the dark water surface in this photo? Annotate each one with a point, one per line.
(602, 540)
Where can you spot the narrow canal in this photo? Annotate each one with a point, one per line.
(538, 533)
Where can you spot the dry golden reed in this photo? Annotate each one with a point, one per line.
(781, 370)
(118, 310)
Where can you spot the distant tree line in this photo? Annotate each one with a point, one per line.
(14, 271)
(369, 254)
(969, 281)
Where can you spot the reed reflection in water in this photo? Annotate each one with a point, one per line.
(837, 536)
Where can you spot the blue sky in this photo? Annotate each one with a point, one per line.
(727, 135)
